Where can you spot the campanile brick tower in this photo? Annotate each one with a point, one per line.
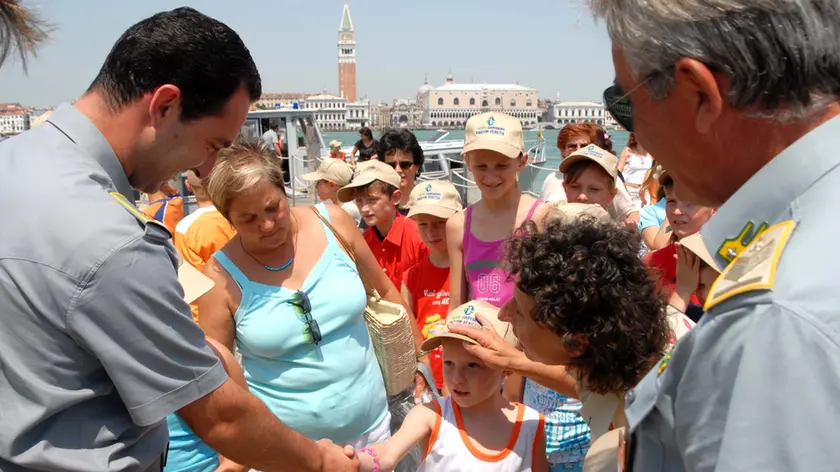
(346, 57)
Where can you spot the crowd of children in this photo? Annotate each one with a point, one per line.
(572, 265)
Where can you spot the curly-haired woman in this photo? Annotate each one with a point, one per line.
(584, 307)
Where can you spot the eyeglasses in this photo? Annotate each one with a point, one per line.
(313, 331)
(404, 165)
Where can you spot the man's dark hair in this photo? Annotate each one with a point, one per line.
(201, 56)
(591, 289)
(274, 126)
(393, 140)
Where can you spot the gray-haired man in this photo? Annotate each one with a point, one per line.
(738, 100)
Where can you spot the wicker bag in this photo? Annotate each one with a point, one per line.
(390, 329)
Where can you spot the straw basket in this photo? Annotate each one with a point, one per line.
(390, 333)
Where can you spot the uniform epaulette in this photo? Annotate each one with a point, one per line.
(754, 268)
(136, 213)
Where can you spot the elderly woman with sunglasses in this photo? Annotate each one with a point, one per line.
(292, 301)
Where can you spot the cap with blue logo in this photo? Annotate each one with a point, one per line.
(466, 315)
(435, 197)
(494, 131)
(603, 158)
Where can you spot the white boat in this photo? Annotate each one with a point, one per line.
(443, 156)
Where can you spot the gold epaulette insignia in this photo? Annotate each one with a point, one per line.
(755, 267)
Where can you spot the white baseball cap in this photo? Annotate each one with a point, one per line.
(333, 170)
(603, 158)
(366, 173)
(437, 198)
(494, 131)
(466, 315)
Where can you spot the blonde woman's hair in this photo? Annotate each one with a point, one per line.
(239, 168)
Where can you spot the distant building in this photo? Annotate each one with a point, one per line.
(578, 112)
(347, 56)
(404, 113)
(358, 114)
(451, 104)
(331, 112)
(14, 118)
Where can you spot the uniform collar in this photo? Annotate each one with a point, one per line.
(79, 129)
(766, 197)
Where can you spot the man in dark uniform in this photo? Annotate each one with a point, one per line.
(98, 345)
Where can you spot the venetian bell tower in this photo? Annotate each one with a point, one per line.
(346, 56)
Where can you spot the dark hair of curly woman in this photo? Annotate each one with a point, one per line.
(590, 289)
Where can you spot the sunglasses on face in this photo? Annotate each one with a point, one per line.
(404, 165)
(301, 302)
(618, 104)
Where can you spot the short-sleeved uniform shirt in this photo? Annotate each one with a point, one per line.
(97, 345)
(754, 386)
(400, 250)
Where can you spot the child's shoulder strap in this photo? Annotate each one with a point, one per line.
(436, 427)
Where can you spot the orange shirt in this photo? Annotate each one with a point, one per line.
(199, 236)
(401, 249)
(168, 211)
(341, 155)
(429, 289)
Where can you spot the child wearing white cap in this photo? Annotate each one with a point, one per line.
(589, 176)
(475, 429)
(494, 154)
(332, 174)
(426, 285)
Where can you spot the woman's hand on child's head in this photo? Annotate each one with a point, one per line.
(688, 271)
(491, 349)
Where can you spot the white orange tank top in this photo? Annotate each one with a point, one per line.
(451, 450)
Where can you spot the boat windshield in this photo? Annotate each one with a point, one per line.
(439, 136)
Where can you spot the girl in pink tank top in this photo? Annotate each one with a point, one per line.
(487, 280)
(494, 153)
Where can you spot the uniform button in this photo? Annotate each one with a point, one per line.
(630, 397)
(383, 249)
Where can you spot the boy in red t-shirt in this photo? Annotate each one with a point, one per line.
(392, 238)
(683, 219)
(426, 285)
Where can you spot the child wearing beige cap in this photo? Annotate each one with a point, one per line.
(392, 238)
(589, 176)
(474, 429)
(332, 174)
(494, 154)
(426, 285)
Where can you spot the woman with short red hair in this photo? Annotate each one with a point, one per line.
(571, 138)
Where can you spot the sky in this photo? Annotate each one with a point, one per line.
(552, 45)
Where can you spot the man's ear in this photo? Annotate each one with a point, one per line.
(165, 104)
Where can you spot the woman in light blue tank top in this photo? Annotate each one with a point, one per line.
(332, 389)
(292, 301)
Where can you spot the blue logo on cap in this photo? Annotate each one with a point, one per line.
(429, 187)
(469, 310)
(491, 121)
(591, 147)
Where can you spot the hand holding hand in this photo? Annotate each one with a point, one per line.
(336, 458)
